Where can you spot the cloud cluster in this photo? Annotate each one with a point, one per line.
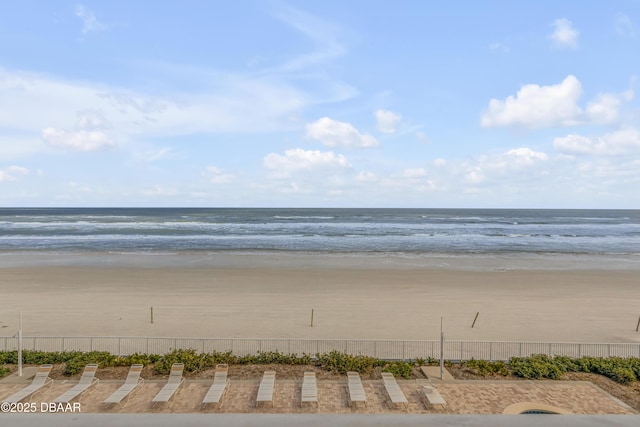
(536, 106)
(218, 176)
(333, 133)
(387, 121)
(79, 114)
(89, 21)
(621, 142)
(623, 26)
(81, 140)
(564, 35)
(299, 160)
(12, 173)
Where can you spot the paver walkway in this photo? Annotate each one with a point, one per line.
(462, 397)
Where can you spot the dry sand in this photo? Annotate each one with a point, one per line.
(369, 300)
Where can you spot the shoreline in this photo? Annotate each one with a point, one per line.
(480, 262)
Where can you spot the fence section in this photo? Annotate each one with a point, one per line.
(389, 349)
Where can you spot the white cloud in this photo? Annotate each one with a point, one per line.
(414, 173)
(299, 160)
(624, 26)
(77, 140)
(605, 108)
(387, 121)
(474, 176)
(415, 179)
(499, 47)
(89, 21)
(218, 176)
(92, 120)
(564, 35)
(620, 142)
(11, 173)
(159, 190)
(154, 154)
(233, 104)
(365, 176)
(323, 34)
(526, 156)
(333, 133)
(537, 106)
(79, 187)
(495, 166)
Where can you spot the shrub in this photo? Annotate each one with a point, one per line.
(336, 361)
(8, 357)
(536, 367)
(399, 369)
(193, 361)
(622, 375)
(271, 357)
(484, 367)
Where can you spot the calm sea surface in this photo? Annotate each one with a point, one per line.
(353, 231)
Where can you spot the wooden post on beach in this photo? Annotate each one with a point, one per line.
(474, 320)
(20, 347)
(312, 317)
(638, 325)
(151, 314)
(441, 348)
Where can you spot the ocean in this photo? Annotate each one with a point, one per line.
(335, 231)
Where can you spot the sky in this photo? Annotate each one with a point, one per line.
(425, 104)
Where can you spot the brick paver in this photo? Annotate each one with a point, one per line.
(462, 397)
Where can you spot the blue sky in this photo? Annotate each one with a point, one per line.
(320, 104)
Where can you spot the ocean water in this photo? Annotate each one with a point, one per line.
(333, 231)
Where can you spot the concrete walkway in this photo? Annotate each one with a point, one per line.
(26, 378)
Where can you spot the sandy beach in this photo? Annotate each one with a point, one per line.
(272, 298)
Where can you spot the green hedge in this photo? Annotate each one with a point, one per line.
(621, 370)
(484, 367)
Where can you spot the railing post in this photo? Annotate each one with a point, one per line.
(520, 351)
(549, 352)
(491, 351)
(579, 351)
(403, 350)
(608, 350)
(119, 352)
